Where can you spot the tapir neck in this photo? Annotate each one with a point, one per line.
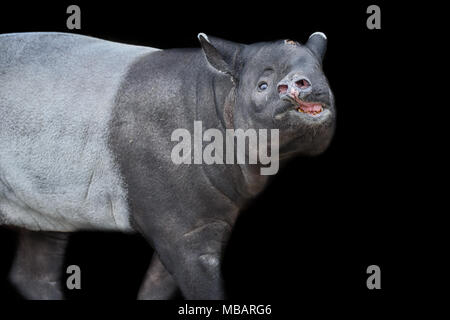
(164, 92)
(216, 110)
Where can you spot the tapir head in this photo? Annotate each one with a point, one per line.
(278, 85)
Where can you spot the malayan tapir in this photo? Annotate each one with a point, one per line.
(85, 144)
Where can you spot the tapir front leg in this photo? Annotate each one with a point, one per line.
(37, 267)
(158, 283)
(196, 258)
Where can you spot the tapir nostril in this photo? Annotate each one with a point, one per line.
(302, 84)
(282, 88)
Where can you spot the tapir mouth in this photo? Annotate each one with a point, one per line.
(312, 108)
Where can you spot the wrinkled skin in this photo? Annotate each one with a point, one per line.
(187, 212)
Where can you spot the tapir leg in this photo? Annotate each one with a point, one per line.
(37, 267)
(196, 259)
(158, 283)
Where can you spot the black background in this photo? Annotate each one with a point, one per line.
(311, 235)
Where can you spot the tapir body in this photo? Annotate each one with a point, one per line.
(85, 144)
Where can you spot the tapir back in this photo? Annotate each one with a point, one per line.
(57, 91)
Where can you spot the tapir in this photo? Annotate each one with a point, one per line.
(85, 144)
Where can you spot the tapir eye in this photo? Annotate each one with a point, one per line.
(263, 86)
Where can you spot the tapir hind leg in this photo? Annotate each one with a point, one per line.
(37, 267)
(158, 284)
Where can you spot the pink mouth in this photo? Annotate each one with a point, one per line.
(309, 107)
(312, 108)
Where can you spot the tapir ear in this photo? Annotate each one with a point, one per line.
(220, 53)
(317, 43)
